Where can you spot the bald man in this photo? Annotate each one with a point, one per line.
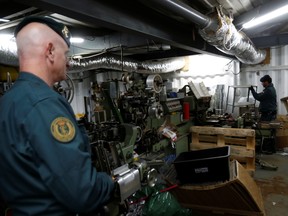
(45, 164)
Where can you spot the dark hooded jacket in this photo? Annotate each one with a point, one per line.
(267, 99)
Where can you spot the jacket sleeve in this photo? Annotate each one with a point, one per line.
(65, 166)
(262, 95)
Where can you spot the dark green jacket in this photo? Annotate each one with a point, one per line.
(46, 166)
(267, 98)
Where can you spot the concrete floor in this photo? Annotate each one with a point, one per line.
(274, 184)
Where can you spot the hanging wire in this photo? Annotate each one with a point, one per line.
(229, 66)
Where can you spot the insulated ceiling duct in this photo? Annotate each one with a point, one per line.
(8, 56)
(115, 62)
(219, 31)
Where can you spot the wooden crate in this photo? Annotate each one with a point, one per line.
(241, 142)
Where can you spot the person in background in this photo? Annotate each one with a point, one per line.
(267, 98)
(46, 166)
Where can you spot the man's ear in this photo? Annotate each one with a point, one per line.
(50, 52)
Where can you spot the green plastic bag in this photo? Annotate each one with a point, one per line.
(162, 203)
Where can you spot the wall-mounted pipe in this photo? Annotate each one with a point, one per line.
(181, 8)
(219, 31)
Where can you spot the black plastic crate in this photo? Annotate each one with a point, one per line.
(201, 166)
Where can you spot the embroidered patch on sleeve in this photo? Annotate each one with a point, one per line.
(63, 129)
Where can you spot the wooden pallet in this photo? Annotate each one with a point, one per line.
(241, 142)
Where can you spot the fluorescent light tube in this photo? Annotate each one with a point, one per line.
(4, 20)
(7, 37)
(271, 15)
(76, 40)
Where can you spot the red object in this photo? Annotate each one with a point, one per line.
(186, 111)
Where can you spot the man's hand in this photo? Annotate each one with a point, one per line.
(251, 88)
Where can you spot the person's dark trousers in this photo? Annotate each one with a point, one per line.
(269, 144)
(268, 116)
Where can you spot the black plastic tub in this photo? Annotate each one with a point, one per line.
(202, 166)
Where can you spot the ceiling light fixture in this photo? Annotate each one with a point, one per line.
(7, 37)
(271, 15)
(4, 20)
(76, 40)
(7, 41)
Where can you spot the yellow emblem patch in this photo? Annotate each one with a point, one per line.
(63, 129)
(65, 32)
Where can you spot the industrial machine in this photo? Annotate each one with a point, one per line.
(134, 124)
(199, 99)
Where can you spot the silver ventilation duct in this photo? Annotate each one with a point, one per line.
(101, 61)
(219, 31)
(115, 62)
(227, 39)
(8, 56)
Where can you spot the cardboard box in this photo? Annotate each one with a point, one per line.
(240, 195)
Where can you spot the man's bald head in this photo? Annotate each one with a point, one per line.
(57, 27)
(33, 39)
(42, 51)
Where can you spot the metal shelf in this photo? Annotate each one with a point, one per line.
(239, 104)
(242, 104)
